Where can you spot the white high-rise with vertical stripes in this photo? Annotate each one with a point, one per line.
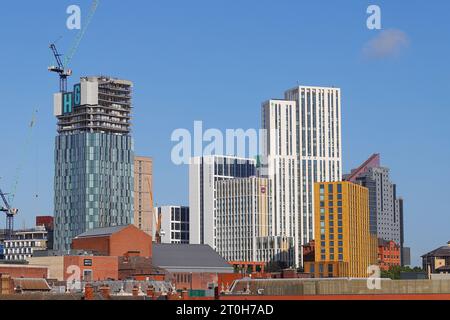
(308, 136)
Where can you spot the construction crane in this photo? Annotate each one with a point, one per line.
(157, 216)
(10, 213)
(7, 201)
(62, 67)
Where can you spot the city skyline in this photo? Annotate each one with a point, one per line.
(399, 109)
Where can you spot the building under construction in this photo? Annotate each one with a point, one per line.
(94, 158)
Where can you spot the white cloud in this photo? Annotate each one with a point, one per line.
(387, 43)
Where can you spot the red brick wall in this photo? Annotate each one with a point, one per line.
(118, 244)
(99, 244)
(131, 239)
(24, 271)
(102, 268)
(194, 281)
(388, 255)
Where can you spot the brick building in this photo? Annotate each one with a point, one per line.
(388, 254)
(89, 267)
(24, 270)
(140, 268)
(115, 241)
(192, 266)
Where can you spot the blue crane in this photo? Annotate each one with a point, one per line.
(62, 67)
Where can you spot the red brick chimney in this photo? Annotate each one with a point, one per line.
(151, 292)
(105, 291)
(88, 292)
(135, 291)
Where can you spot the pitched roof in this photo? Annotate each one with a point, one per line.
(443, 251)
(33, 284)
(189, 257)
(101, 231)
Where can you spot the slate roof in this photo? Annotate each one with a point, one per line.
(98, 232)
(31, 284)
(189, 258)
(443, 251)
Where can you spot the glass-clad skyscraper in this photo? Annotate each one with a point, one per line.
(93, 158)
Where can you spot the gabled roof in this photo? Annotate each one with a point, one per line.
(98, 232)
(443, 251)
(189, 257)
(32, 284)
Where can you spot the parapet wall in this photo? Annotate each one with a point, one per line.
(294, 287)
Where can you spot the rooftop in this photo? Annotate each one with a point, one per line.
(189, 257)
(98, 232)
(443, 251)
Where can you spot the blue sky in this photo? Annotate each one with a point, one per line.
(216, 61)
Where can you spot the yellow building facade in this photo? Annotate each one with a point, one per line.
(344, 246)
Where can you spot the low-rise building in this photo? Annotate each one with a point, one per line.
(24, 270)
(24, 243)
(81, 267)
(388, 254)
(115, 241)
(438, 260)
(47, 222)
(192, 266)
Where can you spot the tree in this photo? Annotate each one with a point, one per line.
(394, 272)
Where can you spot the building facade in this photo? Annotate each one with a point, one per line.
(344, 246)
(280, 167)
(305, 133)
(25, 243)
(115, 241)
(244, 224)
(204, 172)
(437, 261)
(386, 209)
(143, 193)
(94, 158)
(174, 224)
(388, 254)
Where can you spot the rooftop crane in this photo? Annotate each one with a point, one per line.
(61, 67)
(10, 213)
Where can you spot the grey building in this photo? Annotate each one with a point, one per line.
(195, 258)
(93, 158)
(386, 208)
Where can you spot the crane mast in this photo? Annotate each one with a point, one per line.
(60, 69)
(10, 213)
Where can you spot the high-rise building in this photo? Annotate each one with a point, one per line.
(143, 193)
(174, 224)
(304, 147)
(204, 172)
(280, 167)
(93, 158)
(386, 209)
(244, 224)
(344, 246)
